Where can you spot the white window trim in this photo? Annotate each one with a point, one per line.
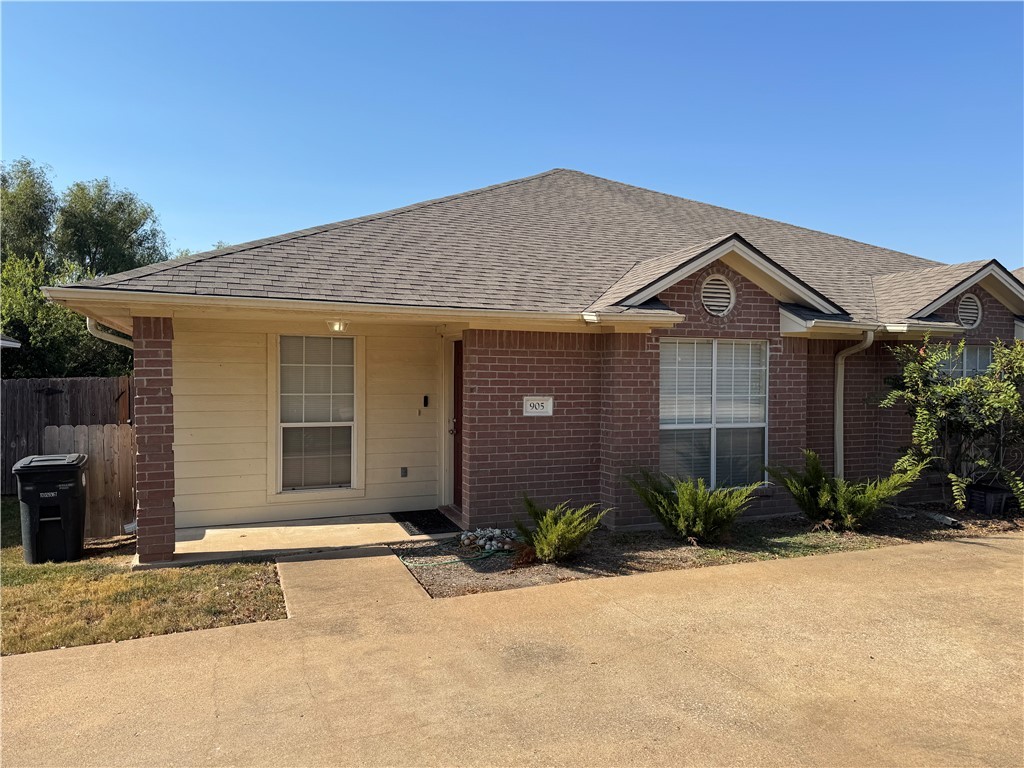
(713, 424)
(275, 494)
(730, 244)
(961, 369)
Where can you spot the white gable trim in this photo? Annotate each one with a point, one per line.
(1005, 288)
(757, 260)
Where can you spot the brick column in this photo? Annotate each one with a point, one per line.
(629, 422)
(154, 437)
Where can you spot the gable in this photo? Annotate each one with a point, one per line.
(734, 253)
(755, 312)
(997, 321)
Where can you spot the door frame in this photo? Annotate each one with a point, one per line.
(447, 493)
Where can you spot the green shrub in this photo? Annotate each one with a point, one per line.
(833, 502)
(806, 486)
(691, 509)
(557, 533)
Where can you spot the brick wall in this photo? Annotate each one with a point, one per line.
(154, 436)
(506, 454)
(629, 424)
(820, 387)
(873, 436)
(606, 392)
(997, 322)
(604, 423)
(755, 316)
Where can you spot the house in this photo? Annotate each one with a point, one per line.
(545, 336)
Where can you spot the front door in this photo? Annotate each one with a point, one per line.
(456, 428)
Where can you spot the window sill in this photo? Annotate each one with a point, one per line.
(314, 495)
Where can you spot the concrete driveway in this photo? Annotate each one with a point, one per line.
(906, 655)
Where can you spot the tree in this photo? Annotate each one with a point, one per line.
(105, 229)
(969, 425)
(94, 228)
(55, 342)
(28, 205)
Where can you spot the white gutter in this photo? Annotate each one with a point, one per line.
(838, 407)
(94, 328)
(122, 298)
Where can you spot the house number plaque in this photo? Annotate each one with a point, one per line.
(538, 406)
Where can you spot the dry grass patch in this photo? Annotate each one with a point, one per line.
(98, 599)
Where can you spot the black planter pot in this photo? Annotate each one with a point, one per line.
(990, 500)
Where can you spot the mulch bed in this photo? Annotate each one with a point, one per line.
(445, 570)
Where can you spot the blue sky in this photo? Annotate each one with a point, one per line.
(900, 125)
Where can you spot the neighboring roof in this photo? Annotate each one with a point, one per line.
(560, 241)
(1018, 273)
(7, 341)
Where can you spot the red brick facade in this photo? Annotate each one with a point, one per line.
(605, 422)
(506, 454)
(629, 421)
(997, 322)
(606, 391)
(154, 436)
(755, 316)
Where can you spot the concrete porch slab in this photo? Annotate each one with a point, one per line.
(195, 546)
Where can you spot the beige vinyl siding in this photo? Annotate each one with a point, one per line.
(224, 420)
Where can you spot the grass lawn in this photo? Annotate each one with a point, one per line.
(99, 600)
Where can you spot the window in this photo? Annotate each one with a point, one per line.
(714, 406)
(317, 412)
(975, 359)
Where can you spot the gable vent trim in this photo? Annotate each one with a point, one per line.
(968, 311)
(717, 295)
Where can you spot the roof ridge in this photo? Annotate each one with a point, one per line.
(163, 266)
(751, 215)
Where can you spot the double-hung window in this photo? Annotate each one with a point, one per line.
(317, 412)
(975, 359)
(714, 410)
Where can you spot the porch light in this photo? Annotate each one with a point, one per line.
(337, 325)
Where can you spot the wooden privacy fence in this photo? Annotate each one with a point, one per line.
(110, 474)
(30, 405)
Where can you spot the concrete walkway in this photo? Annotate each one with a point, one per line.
(906, 655)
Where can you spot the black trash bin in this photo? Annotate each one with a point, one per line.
(51, 490)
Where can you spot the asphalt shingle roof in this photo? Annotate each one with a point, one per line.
(902, 294)
(561, 241)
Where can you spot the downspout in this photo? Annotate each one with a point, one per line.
(94, 328)
(838, 406)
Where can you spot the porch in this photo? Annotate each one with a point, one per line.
(207, 544)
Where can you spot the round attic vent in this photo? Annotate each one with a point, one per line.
(968, 312)
(717, 295)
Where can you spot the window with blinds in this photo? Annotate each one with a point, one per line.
(714, 410)
(976, 358)
(317, 412)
